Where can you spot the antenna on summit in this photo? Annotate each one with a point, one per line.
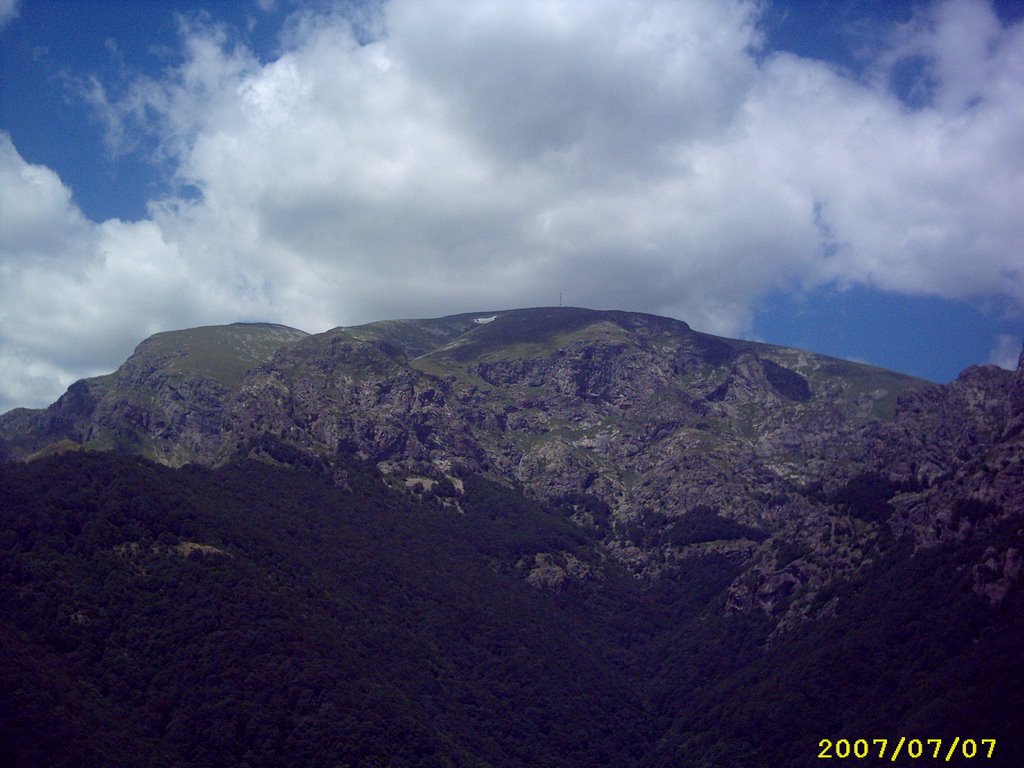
(559, 298)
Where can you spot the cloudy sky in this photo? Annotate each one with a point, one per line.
(845, 175)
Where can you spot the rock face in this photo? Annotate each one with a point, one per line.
(168, 401)
(816, 463)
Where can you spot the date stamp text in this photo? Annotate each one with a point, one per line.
(892, 750)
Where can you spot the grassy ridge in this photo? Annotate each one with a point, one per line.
(220, 352)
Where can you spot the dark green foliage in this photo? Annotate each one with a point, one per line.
(268, 446)
(595, 512)
(702, 524)
(258, 615)
(319, 627)
(788, 551)
(911, 651)
(974, 510)
(505, 524)
(867, 496)
(646, 528)
(444, 489)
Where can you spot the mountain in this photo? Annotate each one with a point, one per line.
(642, 414)
(669, 548)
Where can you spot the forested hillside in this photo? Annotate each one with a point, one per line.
(264, 615)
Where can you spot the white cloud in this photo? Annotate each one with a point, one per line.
(76, 296)
(477, 155)
(1006, 353)
(37, 217)
(8, 12)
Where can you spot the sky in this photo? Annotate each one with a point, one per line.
(845, 176)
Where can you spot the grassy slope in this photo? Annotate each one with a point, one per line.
(220, 352)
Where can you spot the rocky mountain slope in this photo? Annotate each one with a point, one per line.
(708, 526)
(813, 463)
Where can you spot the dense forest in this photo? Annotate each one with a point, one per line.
(262, 615)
